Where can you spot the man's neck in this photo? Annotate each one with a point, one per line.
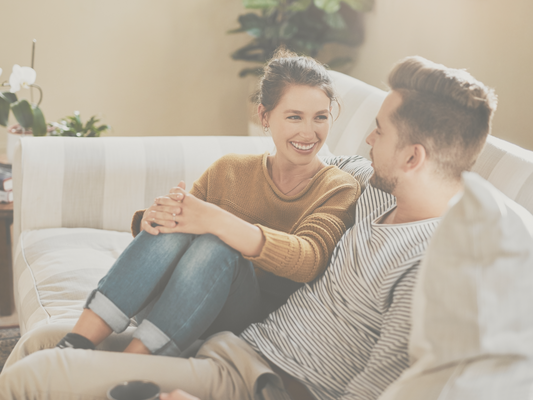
(421, 203)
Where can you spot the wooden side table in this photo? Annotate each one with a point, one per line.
(6, 265)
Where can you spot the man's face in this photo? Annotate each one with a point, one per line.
(384, 141)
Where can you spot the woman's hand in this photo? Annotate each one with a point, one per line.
(182, 212)
(177, 395)
(162, 213)
(192, 214)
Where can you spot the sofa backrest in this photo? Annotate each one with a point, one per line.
(360, 104)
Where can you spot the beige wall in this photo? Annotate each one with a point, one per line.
(493, 39)
(158, 67)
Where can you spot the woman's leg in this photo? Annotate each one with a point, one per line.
(208, 276)
(139, 274)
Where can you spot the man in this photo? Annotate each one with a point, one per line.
(345, 335)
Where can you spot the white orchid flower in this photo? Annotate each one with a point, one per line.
(21, 77)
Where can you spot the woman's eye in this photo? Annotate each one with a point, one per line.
(322, 117)
(294, 117)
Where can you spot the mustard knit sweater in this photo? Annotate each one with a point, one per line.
(301, 231)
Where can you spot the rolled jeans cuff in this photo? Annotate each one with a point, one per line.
(156, 340)
(108, 311)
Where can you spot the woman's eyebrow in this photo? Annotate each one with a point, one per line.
(301, 112)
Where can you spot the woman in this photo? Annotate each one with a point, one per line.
(251, 230)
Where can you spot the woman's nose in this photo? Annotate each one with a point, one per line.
(308, 131)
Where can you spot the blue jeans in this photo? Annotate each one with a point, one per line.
(185, 286)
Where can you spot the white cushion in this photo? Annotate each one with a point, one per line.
(360, 103)
(472, 322)
(57, 268)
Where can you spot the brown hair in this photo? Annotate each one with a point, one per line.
(445, 110)
(286, 69)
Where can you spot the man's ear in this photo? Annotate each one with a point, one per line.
(416, 158)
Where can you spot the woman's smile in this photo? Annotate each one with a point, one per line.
(303, 147)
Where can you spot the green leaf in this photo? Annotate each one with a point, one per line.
(260, 4)
(11, 97)
(287, 30)
(250, 21)
(4, 110)
(360, 5)
(329, 6)
(300, 5)
(39, 124)
(23, 113)
(335, 20)
(251, 71)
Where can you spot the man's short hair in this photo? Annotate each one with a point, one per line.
(445, 110)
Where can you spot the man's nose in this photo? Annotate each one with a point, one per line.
(370, 138)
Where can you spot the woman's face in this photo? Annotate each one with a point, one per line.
(300, 123)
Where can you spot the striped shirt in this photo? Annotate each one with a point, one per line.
(345, 335)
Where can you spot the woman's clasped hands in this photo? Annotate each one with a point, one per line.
(179, 211)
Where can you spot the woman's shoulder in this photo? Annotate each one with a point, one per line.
(238, 160)
(334, 176)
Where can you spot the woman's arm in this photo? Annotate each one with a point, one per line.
(199, 217)
(300, 256)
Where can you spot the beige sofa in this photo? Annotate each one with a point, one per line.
(75, 197)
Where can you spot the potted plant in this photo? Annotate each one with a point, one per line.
(29, 116)
(73, 126)
(303, 26)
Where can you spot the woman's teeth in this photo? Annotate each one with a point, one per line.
(300, 146)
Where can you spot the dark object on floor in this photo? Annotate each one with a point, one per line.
(8, 339)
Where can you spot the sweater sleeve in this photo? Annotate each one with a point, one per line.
(304, 254)
(198, 190)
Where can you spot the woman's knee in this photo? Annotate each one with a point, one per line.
(208, 254)
(212, 243)
(163, 242)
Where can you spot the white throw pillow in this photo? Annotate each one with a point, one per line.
(472, 321)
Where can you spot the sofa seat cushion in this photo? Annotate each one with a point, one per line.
(55, 269)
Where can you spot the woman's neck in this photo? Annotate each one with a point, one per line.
(289, 178)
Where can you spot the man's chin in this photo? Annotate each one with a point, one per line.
(386, 185)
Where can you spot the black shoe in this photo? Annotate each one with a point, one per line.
(75, 341)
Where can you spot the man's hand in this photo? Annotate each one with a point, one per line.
(177, 395)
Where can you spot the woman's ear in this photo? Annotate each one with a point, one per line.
(262, 115)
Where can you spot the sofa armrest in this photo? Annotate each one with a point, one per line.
(100, 182)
